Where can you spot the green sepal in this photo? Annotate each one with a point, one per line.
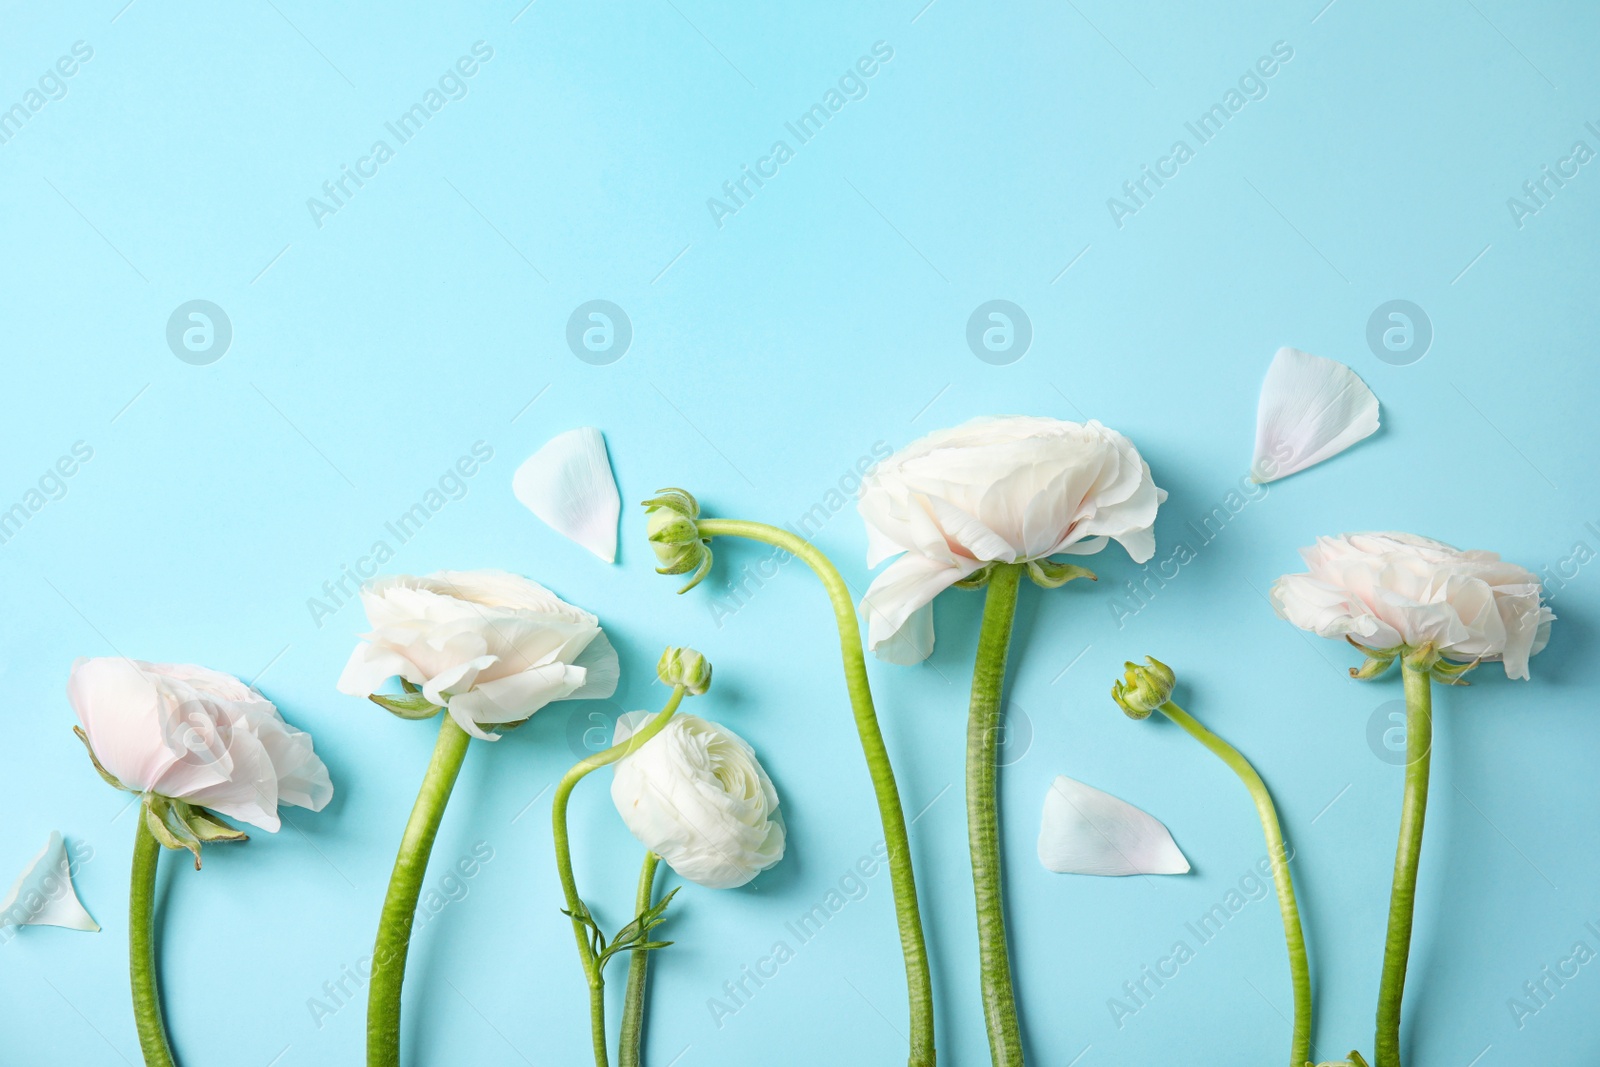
(1372, 667)
(167, 829)
(977, 579)
(700, 572)
(675, 499)
(410, 706)
(1447, 673)
(205, 825)
(110, 778)
(1053, 574)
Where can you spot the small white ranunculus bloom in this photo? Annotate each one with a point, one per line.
(195, 735)
(695, 795)
(1387, 590)
(491, 647)
(1010, 490)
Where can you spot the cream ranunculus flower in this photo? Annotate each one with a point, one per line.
(1011, 490)
(696, 796)
(195, 735)
(1387, 590)
(491, 647)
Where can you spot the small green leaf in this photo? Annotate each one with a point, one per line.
(205, 825)
(409, 706)
(110, 778)
(170, 832)
(1053, 574)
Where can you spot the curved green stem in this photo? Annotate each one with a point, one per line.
(632, 1033)
(983, 814)
(1278, 856)
(569, 884)
(405, 886)
(142, 948)
(913, 945)
(1403, 896)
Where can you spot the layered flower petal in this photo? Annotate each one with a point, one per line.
(492, 647)
(1394, 589)
(196, 735)
(1006, 490)
(696, 795)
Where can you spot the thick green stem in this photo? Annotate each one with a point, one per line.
(631, 1036)
(983, 814)
(569, 883)
(919, 984)
(1278, 856)
(142, 948)
(405, 886)
(1403, 896)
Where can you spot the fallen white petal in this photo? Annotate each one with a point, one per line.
(568, 484)
(1311, 409)
(1086, 831)
(43, 894)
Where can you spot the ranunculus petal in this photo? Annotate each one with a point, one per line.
(998, 489)
(696, 795)
(43, 894)
(904, 589)
(1086, 831)
(223, 745)
(1394, 589)
(453, 633)
(1311, 409)
(568, 483)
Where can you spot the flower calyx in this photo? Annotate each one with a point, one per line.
(671, 522)
(685, 667)
(1144, 688)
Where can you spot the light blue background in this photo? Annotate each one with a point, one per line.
(768, 356)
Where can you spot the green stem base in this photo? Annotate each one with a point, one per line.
(405, 886)
(142, 948)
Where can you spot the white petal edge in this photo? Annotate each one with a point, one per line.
(1311, 409)
(568, 484)
(43, 895)
(1087, 831)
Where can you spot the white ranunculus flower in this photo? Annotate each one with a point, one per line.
(491, 647)
(696, 796)
(1392, 589)
(196, 735)
(1009, 489)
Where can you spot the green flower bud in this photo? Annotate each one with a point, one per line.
(685, 667)
(675, 535)
(1144, 689)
